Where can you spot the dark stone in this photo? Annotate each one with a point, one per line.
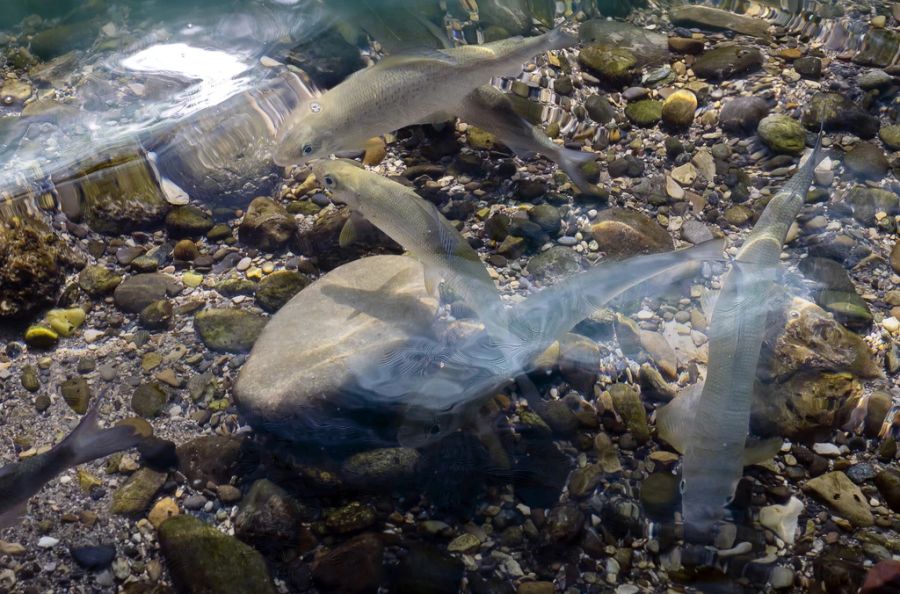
(426, 570)
(269, 518)
(215, 459)
(354, 567)
(727, 61)
(94, 558)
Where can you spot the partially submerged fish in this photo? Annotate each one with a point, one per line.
(490, 109)
(400, 91)
(718, 428)
(419, 227)
(22, 480)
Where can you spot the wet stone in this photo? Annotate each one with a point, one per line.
(623, 233)
(76, 393)
(268, 518)
(808, 67)
(837, 491)
(157, 315)
(354, 566)
(278, 288)
(782, 134)
(135, 496)
(382, 468)
(867, 161)
(644, 113)
(202, 559)
(613, 65)
(678, 109)
(727, 61)
(98, 280)
(213, 459)
(94, 558)
(267, 225)
(148, 400)
(888, 483)
(137, 292)
(188, 221)
(353, 517)
(229, 330)
(838, 114)
(564, 523)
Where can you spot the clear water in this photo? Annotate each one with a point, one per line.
(411, 446)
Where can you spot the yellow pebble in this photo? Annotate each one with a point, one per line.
(254, 273)
(192, 279)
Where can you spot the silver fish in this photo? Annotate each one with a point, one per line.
(419, 227)
(22, 480)
(490, 109)
(400, 91)
(717, 435)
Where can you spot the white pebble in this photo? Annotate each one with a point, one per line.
(826, 449)
(47, 542)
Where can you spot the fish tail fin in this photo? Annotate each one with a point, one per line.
(571, 161)
(89, 442)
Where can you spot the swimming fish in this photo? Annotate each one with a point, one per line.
(418, 227)
(490, 109)
(21, 480)
(717, 433)
(437, 379)
(399, 91)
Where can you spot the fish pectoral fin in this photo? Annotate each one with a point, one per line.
(348, 233)
(13, 515)
(759, 451)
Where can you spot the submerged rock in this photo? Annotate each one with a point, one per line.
(838, 113)
(867, 202)
(268, 518)
(267, 225)
(782, 134)
(806, 402)
(867, 161)
(727, 61)
(203, 560)
(742, 115)
(644, 113)
(648, 47)
(138, 291)
(229, 329)
(33, 260)
(839, 492)
(613, 65)
(354, 566)
(292, 382)
(624, 233)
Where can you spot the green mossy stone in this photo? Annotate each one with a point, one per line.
(229, 330)
(278, 288)
(76, 393)
(135, 496)
(644, 113)
(148, 400)
(782, 134)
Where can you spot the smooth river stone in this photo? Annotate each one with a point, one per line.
(294, 381)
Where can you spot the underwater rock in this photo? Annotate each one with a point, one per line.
(266, 225)
(354, 566)
(201, 559)
(782, 519)
(383, 468)
(214, 458)
(327, 58)
(867, 161)
(866, 202)
(804, 403)
(644, 113)
(888, 483)
(229, 330)
(660, 495)
(727, 61)
(838, 113)
(648, 47)
(714, 18)
(628, 405)
(742, 115)
(838, 492)
(322, 245)
(808, 67)
(678, 109)
(278, 288)
(138, 291)
(782, 134)
(300, 361)
(624, 233)
(879, 48)
(803, 336)
(157, 315)
(890, 136)
(612, 65)
(148, 400)
(512, 15)
(187, 221)
(427, 570)
(76, 393)
(33, 260)
(98, 280)
(835, 292)
(135, 496)
(268, 518)
(599, 108)
(94, 558)
(554, 264)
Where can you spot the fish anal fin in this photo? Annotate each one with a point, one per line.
(761, 450)
(348, 233)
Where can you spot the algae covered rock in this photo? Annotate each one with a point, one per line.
(381, 468)
(644, 113)
(716, 19)
(188, 221)
(229, 329)
(135, 496)
(268, 518)
(98, 280)
(613, 65)
(267, 225)
(867, 161)
(838, 113)
(782, 134)
(867, 202)
(806, 402)
(678, 109)
(33, 260)
(277, 289)
(203, 560)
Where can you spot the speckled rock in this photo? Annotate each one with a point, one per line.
(229, 329)
(867, 161)
(268, 518)
(727, 61)
(98, 280)
(375, 469)
(838, 492)
(278, 288)
(267, 225)
(188, 221)
(624, 233)
(678, 109)
(644, 113)
(782, 134)
(135, 496)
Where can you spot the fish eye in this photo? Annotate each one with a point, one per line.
(307, 149)
(435, 429)
(795, 314)
(329, 181)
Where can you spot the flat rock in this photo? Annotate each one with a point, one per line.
(741, 115)
(648, 47)
(135, 495)
(230, 330)
(292, 381)
(727, 61)
(837, 491)
(138, 291)
(624, 233)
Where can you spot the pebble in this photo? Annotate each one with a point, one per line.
(47, 542)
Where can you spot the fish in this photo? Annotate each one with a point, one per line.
(20, 481)
(490, 109)
(418, 227)
(399, 91)
(440, 380)
(720, 423)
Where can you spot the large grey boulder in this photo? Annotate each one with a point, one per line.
(295, 381)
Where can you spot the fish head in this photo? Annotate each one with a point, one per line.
(339, 177)
(308, 135)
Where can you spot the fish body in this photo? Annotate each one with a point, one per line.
(400, 91)
(22, 480)
(490, 109)
(419, 228)
(717, 435)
